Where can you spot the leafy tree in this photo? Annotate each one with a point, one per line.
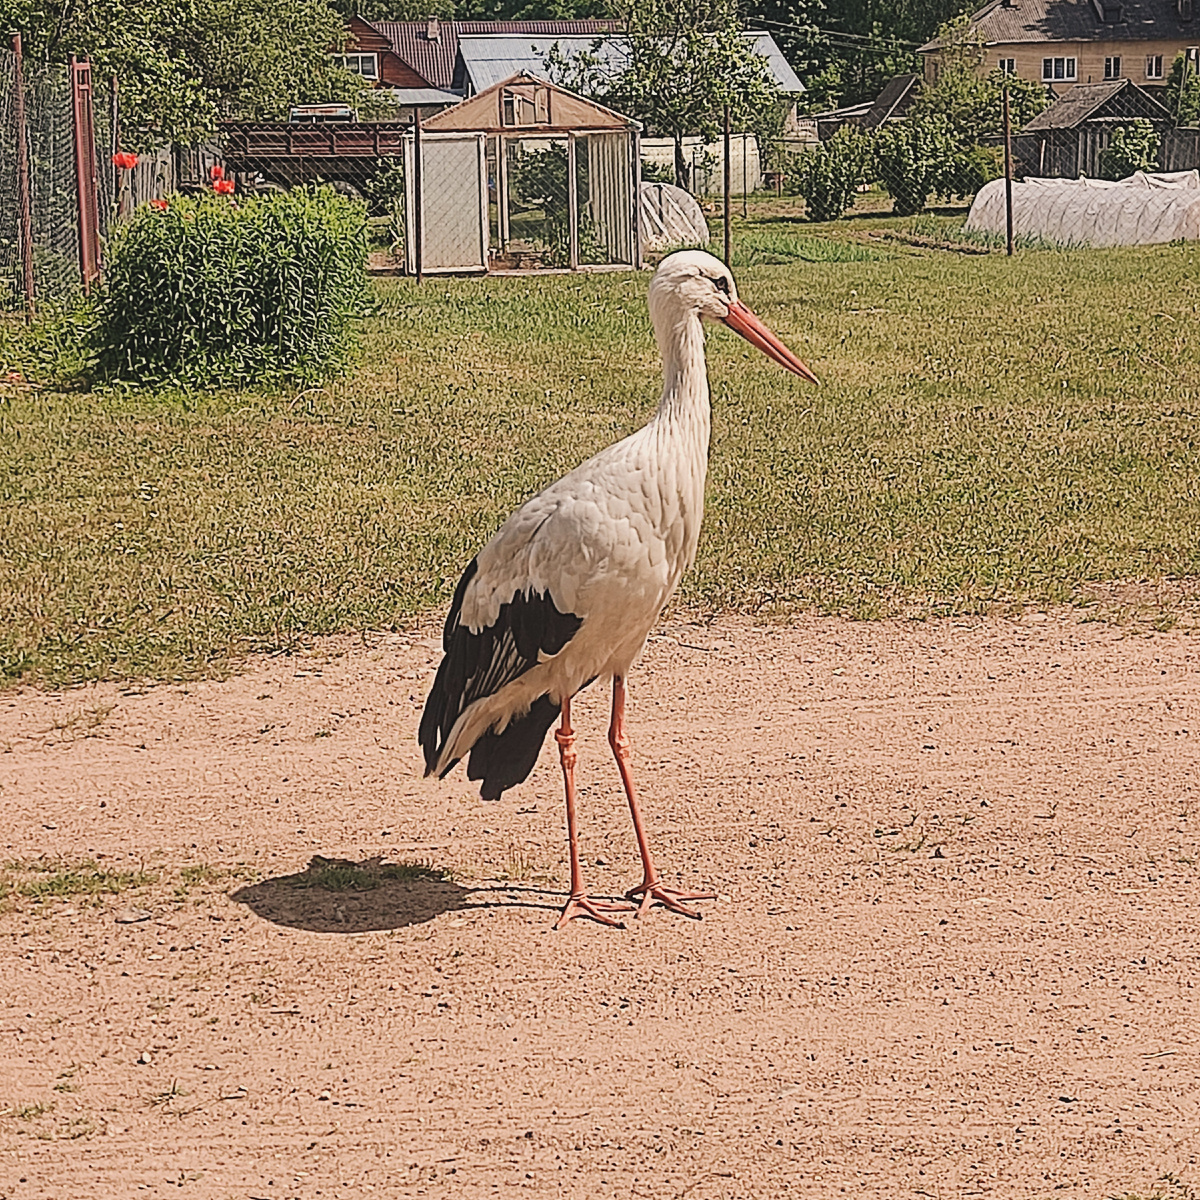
(1182, 92)
(850, 48)
(184, 64)
(530, 10)
(827, 176)
(1134, 147)
(973, 103)
(914, 159)
(394, 10)
(686, 60)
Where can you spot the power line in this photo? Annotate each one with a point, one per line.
(842, 40)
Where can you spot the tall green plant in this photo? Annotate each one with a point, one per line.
(828, 175)
(683, 62)
(1182, 92)
(1134, 147)
(971, 101)
(913, 159)
(205, 291)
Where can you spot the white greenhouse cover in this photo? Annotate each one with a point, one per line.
(670, 217)
(1094, 212)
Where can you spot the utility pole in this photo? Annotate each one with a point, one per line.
(418, 216)
(1008, 172)
(23, 182)
(727, 233)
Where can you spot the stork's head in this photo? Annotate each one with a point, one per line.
(692, 282)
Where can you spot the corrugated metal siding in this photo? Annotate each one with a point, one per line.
(610, 194)
(491, 58)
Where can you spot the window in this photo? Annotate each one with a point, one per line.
(1058, 68)
(1008, 66)
(1154, 66)
(1112, 68)
(525, 104)
(366, 65)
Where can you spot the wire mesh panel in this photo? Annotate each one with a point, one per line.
(52, 182)
(11, 286)
(450, 188)
(534, 203)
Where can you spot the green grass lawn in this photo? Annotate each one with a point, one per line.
(988, 429)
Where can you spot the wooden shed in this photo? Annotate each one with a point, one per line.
(1066, 139)
(555, 182)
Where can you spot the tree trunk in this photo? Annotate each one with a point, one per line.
(681, 167)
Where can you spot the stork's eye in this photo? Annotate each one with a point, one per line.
(722, 284)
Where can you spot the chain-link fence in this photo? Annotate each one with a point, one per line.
(56, 180)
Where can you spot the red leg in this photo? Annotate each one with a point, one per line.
(579, 903)
(650, 889)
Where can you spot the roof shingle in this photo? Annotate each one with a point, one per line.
(1003, 23)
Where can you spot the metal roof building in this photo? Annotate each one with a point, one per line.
(485, 59)
(467, 57)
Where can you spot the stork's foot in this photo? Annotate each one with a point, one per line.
(597, 910)
(655, 893)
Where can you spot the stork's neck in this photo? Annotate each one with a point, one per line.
(685, 375)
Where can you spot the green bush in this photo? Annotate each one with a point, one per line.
(208, 291)
(828, 175)
(970, 169)
(914, 159)
(1134, 147)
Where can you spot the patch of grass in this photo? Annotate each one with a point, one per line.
(928, 225)
(42, 879)
(756, 247)
(174, 1092)
(28, 1112)
(82, 722)
(982, 435)
(343, 875)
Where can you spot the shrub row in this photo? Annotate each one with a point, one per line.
(922, 157)
(912, 159)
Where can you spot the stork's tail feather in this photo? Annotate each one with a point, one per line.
(502, 760)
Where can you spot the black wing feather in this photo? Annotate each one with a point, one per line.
(480, 664)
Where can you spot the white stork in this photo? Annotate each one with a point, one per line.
(570, 587)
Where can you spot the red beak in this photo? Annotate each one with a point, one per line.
(741, 320)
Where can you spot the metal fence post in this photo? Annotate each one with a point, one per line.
(745, 171)
(636, 215)
(418, 199)
(1008, 172)
(572, 206)
(83, 127)
(726, 183)
(115, 140)
(23, 183)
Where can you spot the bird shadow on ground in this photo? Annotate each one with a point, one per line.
(338, 895)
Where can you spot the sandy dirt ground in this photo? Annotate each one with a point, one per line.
(955, 950)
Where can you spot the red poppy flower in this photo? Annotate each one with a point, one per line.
(158, 204)
(223, 187)
(125, 160)
(216, 172)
